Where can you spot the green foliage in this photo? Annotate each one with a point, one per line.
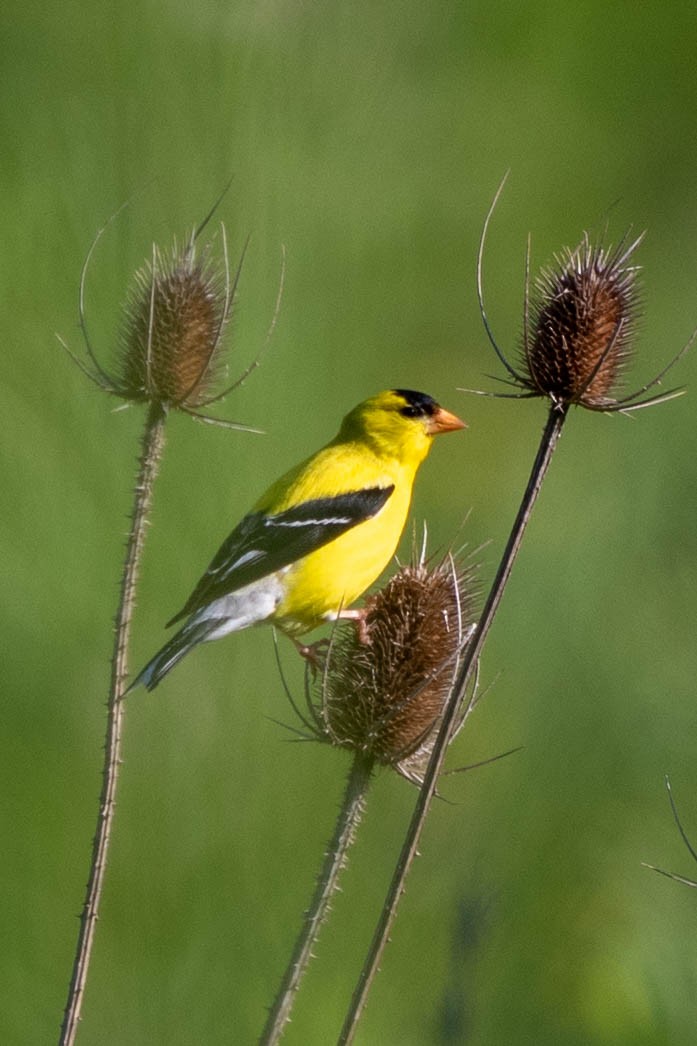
(369, 139)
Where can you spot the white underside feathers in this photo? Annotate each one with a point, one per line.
(247, 606)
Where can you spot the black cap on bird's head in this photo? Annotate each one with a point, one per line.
(416, 404)
(421, 405)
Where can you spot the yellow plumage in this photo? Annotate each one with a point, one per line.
(320, 535)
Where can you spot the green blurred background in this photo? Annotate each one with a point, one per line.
(369, 139)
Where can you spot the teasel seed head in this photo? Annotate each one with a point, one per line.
(175, 316)
(583, 319)
(172, 330)
(578, 330)
(385, 684)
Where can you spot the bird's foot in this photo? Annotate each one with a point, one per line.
(314, 653)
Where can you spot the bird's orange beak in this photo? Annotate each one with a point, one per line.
(444, 421)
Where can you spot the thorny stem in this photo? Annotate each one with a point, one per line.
(350, 814)
(152, 446)
(548, 442)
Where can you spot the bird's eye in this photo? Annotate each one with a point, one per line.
(412, 412)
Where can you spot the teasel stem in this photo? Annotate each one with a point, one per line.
(550, 437)
(151, 454)
(350, 815)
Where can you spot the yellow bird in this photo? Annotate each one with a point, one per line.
(319, 536)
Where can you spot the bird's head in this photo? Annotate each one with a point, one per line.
(400, 423)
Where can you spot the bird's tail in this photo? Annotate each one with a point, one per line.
(172, 652)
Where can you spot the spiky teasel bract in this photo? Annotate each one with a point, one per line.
(690, 848)
(172, 329)
(384, 685)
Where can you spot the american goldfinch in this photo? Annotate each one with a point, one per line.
(319, 536)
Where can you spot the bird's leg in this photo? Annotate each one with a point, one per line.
(359, 616)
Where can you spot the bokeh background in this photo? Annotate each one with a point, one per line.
(369, 140)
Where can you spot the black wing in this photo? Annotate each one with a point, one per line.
(262, 544)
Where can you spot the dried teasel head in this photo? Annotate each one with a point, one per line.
(173, 325)
(172, 330)
(578, 328)
(577, 340)
(384, 686)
